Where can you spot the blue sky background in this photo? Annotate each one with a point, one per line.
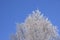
(15, 11)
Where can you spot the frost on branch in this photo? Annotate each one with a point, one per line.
(36, 27)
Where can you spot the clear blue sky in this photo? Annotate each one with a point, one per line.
(15, 11)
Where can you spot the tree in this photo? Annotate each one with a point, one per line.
(36, 27)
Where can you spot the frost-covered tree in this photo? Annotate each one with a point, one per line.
(36, 27)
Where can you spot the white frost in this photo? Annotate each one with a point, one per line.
(36, 27)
